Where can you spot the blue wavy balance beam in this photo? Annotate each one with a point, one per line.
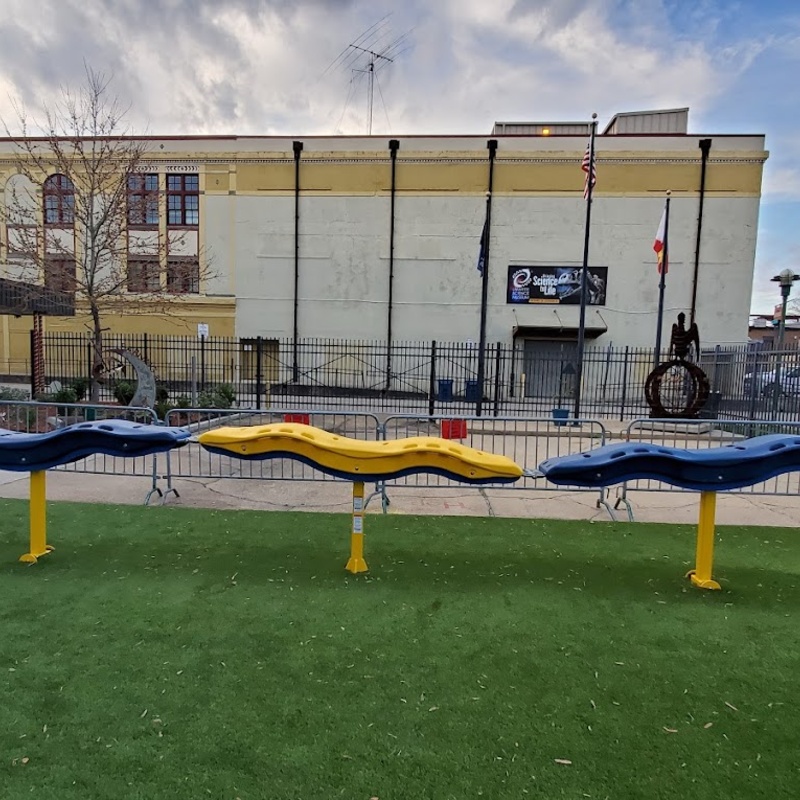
(33, 452)
(731, 467)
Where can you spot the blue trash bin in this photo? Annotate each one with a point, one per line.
(445, 392)
(560, 416)
(472, 392)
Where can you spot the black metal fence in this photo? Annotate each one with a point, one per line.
(527, 378)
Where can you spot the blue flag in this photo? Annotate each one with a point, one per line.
(484, 242)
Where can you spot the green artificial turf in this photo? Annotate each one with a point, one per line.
(182, 653)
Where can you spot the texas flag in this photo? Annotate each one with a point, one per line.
(660, 245)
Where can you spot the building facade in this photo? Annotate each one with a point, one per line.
(374, 238)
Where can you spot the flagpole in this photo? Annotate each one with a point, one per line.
(492, 145)
(662, 283)
(582, 322)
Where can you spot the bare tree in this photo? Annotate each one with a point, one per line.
(72, 211)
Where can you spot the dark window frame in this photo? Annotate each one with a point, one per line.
(183, 200)
(183, 275)
(58, 201)
(60, 274)
(143, 202)
(143, 275)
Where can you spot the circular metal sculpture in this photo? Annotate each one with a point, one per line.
(678, 389)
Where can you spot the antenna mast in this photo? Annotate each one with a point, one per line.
(370, 70)
(374, 49)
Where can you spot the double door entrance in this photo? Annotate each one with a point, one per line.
(550, 369)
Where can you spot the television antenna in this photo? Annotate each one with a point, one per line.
(367, 55)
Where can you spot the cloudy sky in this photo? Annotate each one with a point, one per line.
(270, 67)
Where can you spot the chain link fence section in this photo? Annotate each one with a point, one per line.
(704, 435)
(31, 416)
(526, 440)
(193, 462)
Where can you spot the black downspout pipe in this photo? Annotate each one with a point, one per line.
(394, 146)
(705, 147)
(297, 147)
(491, 144)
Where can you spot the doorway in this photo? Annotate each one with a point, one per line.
(550, 369)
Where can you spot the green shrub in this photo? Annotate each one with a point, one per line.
(20, 395)
(64, 395)
(221, 396)
(227, 393)
(162, 408)
(162, 392)
(183, 402)
(81, 387)
(124, 392)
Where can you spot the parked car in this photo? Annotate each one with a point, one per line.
(766, 383)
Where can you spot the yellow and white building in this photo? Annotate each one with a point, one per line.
(375, 238)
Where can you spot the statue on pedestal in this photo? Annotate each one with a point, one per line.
(678, 388)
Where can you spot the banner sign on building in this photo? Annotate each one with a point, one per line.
(560, 285)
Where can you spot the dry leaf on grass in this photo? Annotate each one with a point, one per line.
(732, 707)
(562, 761)
(670, 730)
(708, 724)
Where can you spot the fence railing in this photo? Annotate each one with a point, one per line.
(523, 378)
(526, 440)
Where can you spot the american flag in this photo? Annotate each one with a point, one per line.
(589, 166)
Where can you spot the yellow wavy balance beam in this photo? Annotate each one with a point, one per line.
(359, 461)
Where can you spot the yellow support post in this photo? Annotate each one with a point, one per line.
(701, 574)
(356, 562)
(38, 519)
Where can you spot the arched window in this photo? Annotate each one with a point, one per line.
(59, 201)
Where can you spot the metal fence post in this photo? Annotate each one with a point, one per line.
(624, 383)
(754, 384)
(497, 362)
(34, 366)
(432, 385)
(202, 363)
(193, 367)
(259, 370)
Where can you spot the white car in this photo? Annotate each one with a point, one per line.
(766, 383)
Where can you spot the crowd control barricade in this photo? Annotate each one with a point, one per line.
(703, 435)
(195, 462)
(526, 440)
(30, 416)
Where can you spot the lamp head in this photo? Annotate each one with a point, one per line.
(786, 278)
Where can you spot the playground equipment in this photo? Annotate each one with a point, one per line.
(707, 471)
(38, 452)
(360, 461)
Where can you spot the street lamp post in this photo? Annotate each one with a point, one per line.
(785, 279)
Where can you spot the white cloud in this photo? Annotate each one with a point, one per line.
(781, 184)
(251, 66)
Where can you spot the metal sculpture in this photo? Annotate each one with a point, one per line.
(678, 388)
(145, 395)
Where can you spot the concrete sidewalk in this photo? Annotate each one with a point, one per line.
(335, 496)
